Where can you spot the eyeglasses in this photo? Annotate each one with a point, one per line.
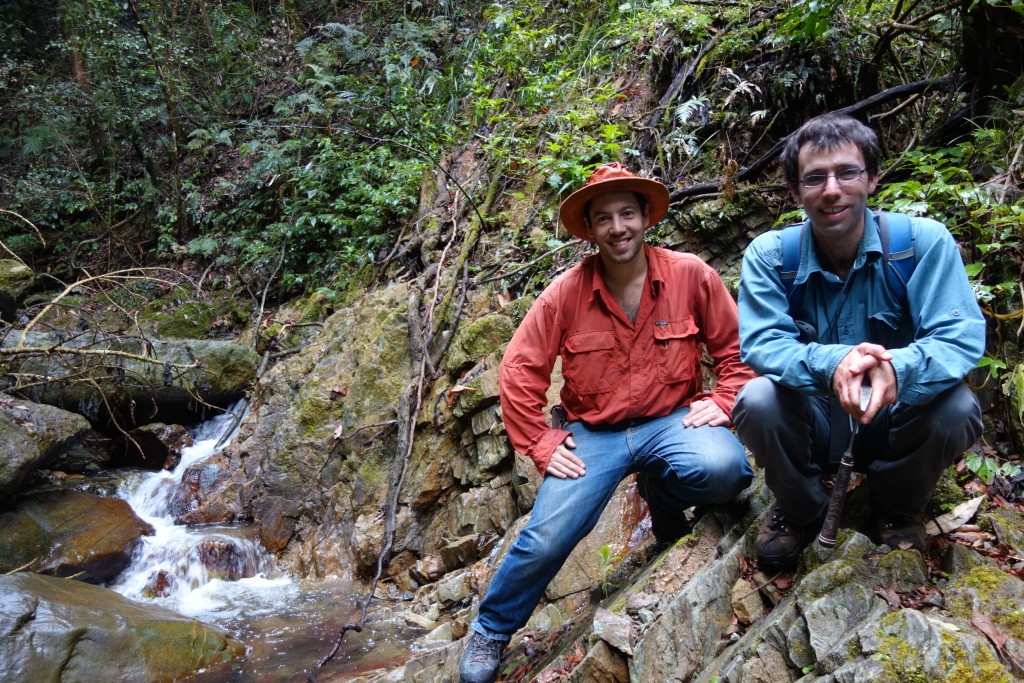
(847, 175)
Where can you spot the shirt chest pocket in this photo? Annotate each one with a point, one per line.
(588, 362)
(676, 348)
(890, 328)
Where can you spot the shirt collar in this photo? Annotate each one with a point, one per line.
(653, 271)
(654, 275)
(870, 243)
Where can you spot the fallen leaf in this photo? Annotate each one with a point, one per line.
(890, 596)
(985, 625)
(972, 536)
(338, 431)
(955, 518)
(577, 654)
(455, 391)
(337, 391)
(783, 581)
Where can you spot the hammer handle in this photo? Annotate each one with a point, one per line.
(827, 537)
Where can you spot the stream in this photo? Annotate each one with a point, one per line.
(220, 574)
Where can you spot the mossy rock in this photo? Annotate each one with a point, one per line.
(518, 308)
(915, 648)
(180, 314)
(477, 339)
(15, 280)
(992, 592)
(948, 493)
(903, 570)
(1008, 526)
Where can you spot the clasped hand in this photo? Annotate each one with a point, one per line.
(870, 364)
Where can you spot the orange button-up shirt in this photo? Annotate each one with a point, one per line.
(615, 369)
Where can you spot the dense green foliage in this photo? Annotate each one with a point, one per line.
(304, 139)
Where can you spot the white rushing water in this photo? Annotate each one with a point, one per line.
(220, 574)
(215, 573)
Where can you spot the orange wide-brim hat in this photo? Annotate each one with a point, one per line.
(612, 178)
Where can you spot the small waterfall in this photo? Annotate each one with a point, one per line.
(221, 575)
(209, 572)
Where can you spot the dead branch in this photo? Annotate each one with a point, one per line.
(572, 243)
(106, 233)
(30, 224)
(59, 349)
(117, 276)
(755, 169)
(263, 300)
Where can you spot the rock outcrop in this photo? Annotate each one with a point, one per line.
(125, 386)
(695, 611)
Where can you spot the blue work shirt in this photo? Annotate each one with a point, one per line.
(935, 339)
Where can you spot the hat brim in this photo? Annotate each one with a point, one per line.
(571, 209)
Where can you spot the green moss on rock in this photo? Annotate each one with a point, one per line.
(948, 493)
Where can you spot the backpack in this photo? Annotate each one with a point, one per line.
(897, 256)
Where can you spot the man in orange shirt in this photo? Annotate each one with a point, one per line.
(630, 324)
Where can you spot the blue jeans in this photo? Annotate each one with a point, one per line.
(683, 466)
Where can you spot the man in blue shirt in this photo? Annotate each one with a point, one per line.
(913, 349)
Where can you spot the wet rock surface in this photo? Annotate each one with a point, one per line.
(55, 629)
(32, 436)
(70, 534)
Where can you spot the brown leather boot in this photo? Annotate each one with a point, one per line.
(780, 541)
(899, 532)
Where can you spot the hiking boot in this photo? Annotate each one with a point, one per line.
(667, 526)
(481, 659)
(780, 541)
(900, 532)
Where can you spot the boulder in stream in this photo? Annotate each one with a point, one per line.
(138, 380)
(157, 446)
(58, 630)
(72, 534)
(31, 436)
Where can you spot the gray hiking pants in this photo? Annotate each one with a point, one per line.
(798, 438)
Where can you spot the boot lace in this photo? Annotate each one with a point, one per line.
(484, 650)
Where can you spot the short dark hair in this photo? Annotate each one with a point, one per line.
(829, 131)
(640, 200)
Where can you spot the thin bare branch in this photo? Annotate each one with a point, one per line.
(30, 223)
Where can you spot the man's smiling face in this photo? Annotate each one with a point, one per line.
(836, 209)
(616, 224)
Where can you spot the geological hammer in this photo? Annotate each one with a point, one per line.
(829, 530)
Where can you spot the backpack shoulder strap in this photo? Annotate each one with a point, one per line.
(897, 251)
(792, 237)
